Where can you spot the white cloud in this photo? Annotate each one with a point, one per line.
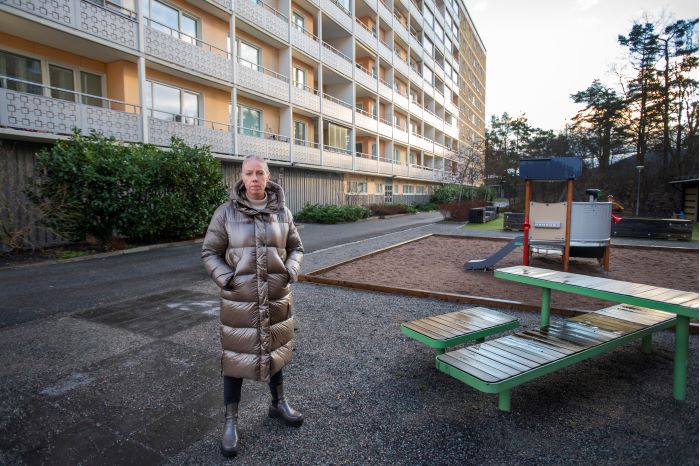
(583, 5)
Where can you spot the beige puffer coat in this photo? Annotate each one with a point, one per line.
(254, 256)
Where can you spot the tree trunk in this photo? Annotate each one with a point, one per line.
(666, 148)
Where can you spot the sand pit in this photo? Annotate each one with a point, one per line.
(435, 264)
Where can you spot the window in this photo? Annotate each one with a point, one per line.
(374, 151)
(412, 158)
(62, 78)
(249, 55)
(378, 188)
(171, 103)
(428, 75)
(22, 68)
(428, 16)
(250, 121)
(438, 31)
(357, 187)
(300, 132)
(299, 77)
(299, 21)
(358, 148)
(428, 45)
(172, 21)
(338, 137)
(408, 189)
(91, 84)
(397, 155)
(420, 189)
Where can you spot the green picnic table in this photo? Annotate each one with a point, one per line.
(683, 304)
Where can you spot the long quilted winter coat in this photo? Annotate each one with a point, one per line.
(254, 256)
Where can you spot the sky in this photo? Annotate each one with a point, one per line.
(539, 52)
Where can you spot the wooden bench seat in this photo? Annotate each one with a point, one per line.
(447, 330)
(499, 365)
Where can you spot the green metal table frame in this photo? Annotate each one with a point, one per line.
(684, 314)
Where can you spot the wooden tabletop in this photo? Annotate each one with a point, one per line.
(679, 302)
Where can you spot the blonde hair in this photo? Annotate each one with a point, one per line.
(259, 159)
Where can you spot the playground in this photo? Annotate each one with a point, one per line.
(436, 263)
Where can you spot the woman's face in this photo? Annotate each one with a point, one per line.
(255, 178)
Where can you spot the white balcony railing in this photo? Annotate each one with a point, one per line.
(264, 16)
(366, 77)
(365, 34)
(188, 52)
(399, 29)
(306, 152)
(195, 131)
(110, 22)
(25, 105)
(272, 146)
(336, 108)
(414, 9)
(338, 12)
(416, 78)
(400, 65)
(385, 128)
(262, 80)
(385, 51)
(336, 59)
(400, 134)
(365, 120)
(385, 11)
(366, 162)
(304, 96)
(400, 100)
(306, 42)
(337, 158)
(385, 89)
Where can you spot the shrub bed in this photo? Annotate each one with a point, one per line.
(330, 213)
(392, 209)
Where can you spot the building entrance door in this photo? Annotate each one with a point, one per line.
(388, 191)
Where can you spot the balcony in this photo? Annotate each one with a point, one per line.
(399, 64)
(385, 89)
(424, 173)
(262, 81)
(305, 152)
(399, 29)
(194, 131)
(366, 77)
(336, 59)
(115, 25)
(338, 12)
(414, 9)
(365, 120)
(400, 134)
(419, 141)
(366, 35)
(225, 4)
(415, 43)
(190, 53)
(336, 108)
(372, 4)
(385, 51)
(366, 162)
(416, 78)
(399, 169)
(400, 99)
(306, 42)
(264, 17)
(385, 128)
(416, 109)
(385, 166)
(254, 142)
(336, 157)
(304, 96)
(385, 12)
(34, 111)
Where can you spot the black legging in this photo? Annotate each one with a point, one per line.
(232, 387)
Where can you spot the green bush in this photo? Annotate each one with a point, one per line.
(329, 213)
(427, 207)
(447, 193)
(97, 187)
(390, 208)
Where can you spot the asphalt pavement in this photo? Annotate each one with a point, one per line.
(115, 360)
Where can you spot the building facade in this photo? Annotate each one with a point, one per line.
(347, 99)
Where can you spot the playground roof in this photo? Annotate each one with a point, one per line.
(550, 168)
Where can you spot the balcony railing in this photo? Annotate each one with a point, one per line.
(162, 126)
(338, 12)
(111, 22)
(304, 96)
(30, 106)
(254, 142)
(366, 35)
(385, 11)
(306, 152)
(365, 120)
(385, 88)
(337, 157)
(260, 79)
(337, 59)
(366, 77)
(385, 51)
(336, 108)
(399, 28)
(385, 127)
(264, 17)
(306, 41)
(191, 53)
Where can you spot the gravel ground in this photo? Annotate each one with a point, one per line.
(372, 396)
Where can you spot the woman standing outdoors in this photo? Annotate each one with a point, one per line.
(253, 252)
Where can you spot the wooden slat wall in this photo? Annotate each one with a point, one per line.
(16, 166)
(690, 203)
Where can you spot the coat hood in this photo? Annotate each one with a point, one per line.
(275, 198)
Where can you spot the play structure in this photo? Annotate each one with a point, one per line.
(569, 229)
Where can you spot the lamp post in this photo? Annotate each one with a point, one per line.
(639, 182)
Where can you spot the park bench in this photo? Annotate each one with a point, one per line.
(501, 364)
(447, 330)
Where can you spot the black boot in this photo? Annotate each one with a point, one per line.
(281, 409)
(229, 441)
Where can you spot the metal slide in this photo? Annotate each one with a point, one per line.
(489, 262)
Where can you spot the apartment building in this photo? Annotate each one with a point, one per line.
(349, 100)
